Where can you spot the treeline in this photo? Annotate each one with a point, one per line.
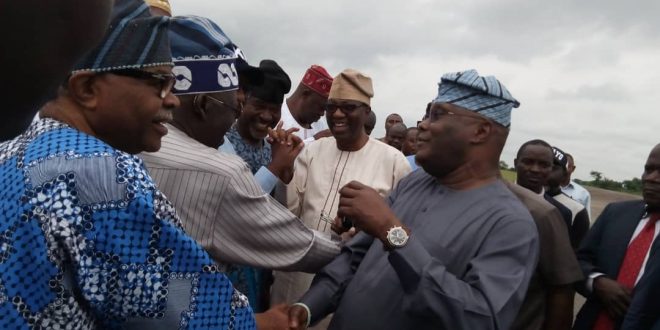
(633, 186)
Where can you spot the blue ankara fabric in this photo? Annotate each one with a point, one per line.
(255, 157)
(87, 241)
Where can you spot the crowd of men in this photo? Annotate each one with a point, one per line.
(168, 182)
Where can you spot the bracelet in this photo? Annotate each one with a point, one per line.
(309, 313)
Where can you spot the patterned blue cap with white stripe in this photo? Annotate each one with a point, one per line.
(483, 95)
(134, 40)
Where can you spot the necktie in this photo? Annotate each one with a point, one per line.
(631, 266)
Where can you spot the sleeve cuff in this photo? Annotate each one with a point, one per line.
(590, 281)
(266, 179)
(309, 313)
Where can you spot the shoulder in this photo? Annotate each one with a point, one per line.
(536, 204)
(625, 206)
(183, 153)
(385, 150)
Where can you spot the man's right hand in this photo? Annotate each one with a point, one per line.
(297, 318)
(614, 296)
(285, 147)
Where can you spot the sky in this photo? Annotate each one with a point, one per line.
(585, 72)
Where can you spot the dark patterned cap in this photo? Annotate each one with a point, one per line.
(134, 40)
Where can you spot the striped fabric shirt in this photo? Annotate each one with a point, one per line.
(224, 209)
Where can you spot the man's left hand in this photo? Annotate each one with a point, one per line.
(367, 209)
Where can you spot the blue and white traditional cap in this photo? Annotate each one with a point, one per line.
(483, 95)
(204, 57)
(134, 40)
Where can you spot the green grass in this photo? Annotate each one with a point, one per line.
(509, 175)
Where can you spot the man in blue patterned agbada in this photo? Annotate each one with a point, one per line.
(86, 239)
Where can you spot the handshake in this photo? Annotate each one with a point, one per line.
(283, 317)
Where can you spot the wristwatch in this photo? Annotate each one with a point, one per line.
(397, 237)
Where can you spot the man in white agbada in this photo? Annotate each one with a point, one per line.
(326, 165)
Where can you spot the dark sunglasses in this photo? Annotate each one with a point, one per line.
(166, 80)
(346, 108)
(237, 111)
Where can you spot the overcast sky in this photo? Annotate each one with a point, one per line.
(586, 72)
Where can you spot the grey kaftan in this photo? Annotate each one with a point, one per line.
(467, 263)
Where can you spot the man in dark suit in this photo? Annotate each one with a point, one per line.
(615, 254)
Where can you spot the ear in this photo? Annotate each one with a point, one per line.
(482, 132)
(84, 89)
(199, 106)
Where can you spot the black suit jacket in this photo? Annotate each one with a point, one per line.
(603, 249)
(644, 310)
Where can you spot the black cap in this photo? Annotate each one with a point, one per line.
(560, 158)
(248, 75)
(276, 83)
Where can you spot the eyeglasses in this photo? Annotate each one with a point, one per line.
(346, 108)
(237, 111)
(436, 114)
(166, 80)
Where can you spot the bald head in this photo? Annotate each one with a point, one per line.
(392, 119)
(396, 135)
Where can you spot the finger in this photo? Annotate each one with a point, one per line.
(289, 139)
(346, 201)
(356, 185)
(348, 191)
(297, 149)
(292, 129)
(296, 139)
(279, 125)
(337, 227)
(619, 308)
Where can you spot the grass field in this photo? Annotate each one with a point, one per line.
(509, 175)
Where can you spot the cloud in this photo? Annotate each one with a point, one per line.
(607, 92)
(584, 71)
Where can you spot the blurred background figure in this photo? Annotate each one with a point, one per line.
(72, 27)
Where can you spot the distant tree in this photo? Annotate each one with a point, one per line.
(634, 185)
(598, 176)
(503, 165)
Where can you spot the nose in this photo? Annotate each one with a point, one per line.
(266, 116)
(536, 168)
(423, 126)
(652, 176)
(171, 101)
(338, 114)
